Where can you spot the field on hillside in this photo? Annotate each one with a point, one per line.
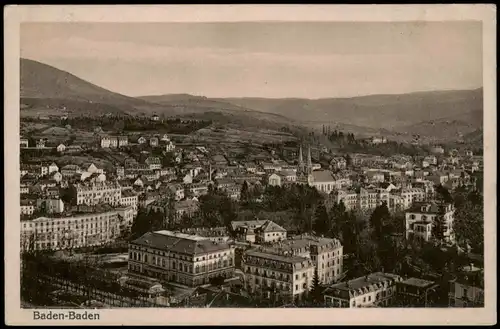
(235, 135)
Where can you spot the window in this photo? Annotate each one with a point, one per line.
(296, 287)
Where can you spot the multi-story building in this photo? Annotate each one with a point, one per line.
(269, 232)
(97, 192)
(325, 253)
(364, 199)
(80, 229)
(415, 292)
(153, 163)
(126, 215)
(373, 290)
(130, 198)
(182, 258)
(280, 274)
(23, 142)
(70, 170)
(374, 176)
(467, 289)
(122, 141)
(114, 141)
(412, 195)
(27, 207)
(339, 163)
(258, 231)
(421, 217)
(50, 205)
(197, 189)
(368, 199)
(105, 142)
(217, 234)
(348, 196)
(427, 186)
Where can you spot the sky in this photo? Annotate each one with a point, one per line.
(263, 59)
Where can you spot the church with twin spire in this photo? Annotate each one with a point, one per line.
(304, 172)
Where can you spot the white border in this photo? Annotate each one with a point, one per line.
(14, 15)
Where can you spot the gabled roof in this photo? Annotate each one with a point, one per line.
(271, 226)
(323, 176)
(185, 244)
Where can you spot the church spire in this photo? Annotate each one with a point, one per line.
(301, 159)
(309, 161)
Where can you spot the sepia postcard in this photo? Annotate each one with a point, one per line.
(250, 164)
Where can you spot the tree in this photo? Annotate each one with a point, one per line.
(438, 228)
(469, 225)
(245, 193)
(141, 224)
(338, 219)
(378, 220)
(316, 290)
(321, 222)
(443, 194)
(348, 160)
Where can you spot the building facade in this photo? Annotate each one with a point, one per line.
(284, 275)
(373, 290)
(182, 258)
(420, 219)
(97, 192)
(79, 230)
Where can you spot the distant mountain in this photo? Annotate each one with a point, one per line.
(475, 137)
(41, 81)
(456, 126)
(441, 114)
(48, 90)
(190, 105)
(374, 111)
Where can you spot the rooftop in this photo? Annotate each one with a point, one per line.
(323, 176)
(179, 242)
(418, 282)
(275, 256)
(365, 281)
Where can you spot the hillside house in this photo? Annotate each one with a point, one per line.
(23, 142)
(169, 146)
(421, 217)
(153, 163)
(153, 141)
(40, 144)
